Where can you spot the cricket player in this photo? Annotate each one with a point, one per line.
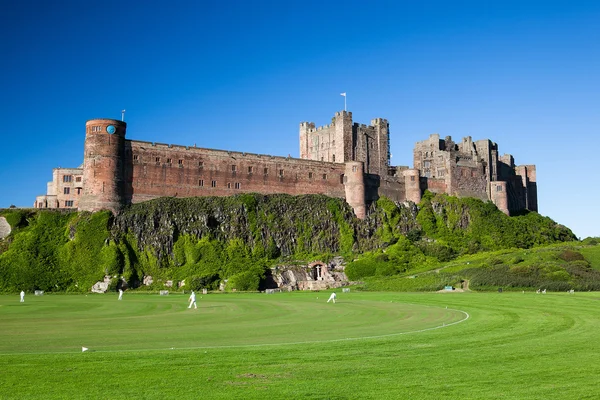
(120, 294)
(22, 296)
(192, 300)
(332, 297)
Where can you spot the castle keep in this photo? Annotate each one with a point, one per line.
(344, 159)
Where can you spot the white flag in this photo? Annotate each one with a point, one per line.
(84, 349)
(343, 94)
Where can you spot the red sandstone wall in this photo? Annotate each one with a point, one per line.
(232, 172)
(468, 182)
(436, 185)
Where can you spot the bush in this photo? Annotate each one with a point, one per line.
(245, 281)
(209, 282)
(359, 269)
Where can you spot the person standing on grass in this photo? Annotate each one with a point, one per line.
(192, 300)
(22, 296)
(120, 294)
(332, 297)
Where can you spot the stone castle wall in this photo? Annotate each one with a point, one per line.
(157, 170)
(344, 159)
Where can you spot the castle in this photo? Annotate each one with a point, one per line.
(344, 159)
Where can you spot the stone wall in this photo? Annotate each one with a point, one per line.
(157, 170)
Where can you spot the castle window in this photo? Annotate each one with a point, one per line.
(498, 188)
(266, 171)
(324, 176)
(228, 185)
(354, 168)
(280, 172)
(78, 179)
(201, 182)
(333, 142)
(200, 164)
(250, 170)
(426, 164)
(180, 162)
(157, 159)
(78, 191)
(233, 168)
(342, 178)
(412, 178)
(68, 203)
(213, 184)
(66, 190)
(135, 157)
(169, 161)
(333, 158)
(321, 158)
(310, 175)
(67, 178)
(96, 129)
(237, 185)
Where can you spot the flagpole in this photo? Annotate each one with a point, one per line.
(344, 94)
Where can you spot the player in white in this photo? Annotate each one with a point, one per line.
(120, 294)
(332, 297)
(22, 296)
(192, 300)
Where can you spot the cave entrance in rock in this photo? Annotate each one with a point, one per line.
(317, 269)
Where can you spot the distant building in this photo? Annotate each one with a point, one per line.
(343, 159)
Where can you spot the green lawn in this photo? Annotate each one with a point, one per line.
(293, 345)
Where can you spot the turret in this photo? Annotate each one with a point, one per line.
(103, 176)
(354, 185)
(412, 185)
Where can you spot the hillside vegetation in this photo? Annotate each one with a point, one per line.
(208, 240)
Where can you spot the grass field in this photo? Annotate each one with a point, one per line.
(293, 345)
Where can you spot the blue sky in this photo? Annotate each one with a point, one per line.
(242, 75)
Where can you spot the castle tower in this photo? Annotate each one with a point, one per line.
(499, 195)
(382, 131)
(528, 177)
(532, 202)
(343, 136)
(305, 129)
(354, 185)
(412, 184)
(103, 169)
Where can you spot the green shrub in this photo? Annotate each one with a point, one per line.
(246, 281)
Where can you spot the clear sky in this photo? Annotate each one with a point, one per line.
(241, 75)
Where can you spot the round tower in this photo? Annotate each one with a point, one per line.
(412, 185)
(354, 185)
(103, 177)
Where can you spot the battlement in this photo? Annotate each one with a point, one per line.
(379, 121)
(307, 125)
(310, 127)
(344, 114)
